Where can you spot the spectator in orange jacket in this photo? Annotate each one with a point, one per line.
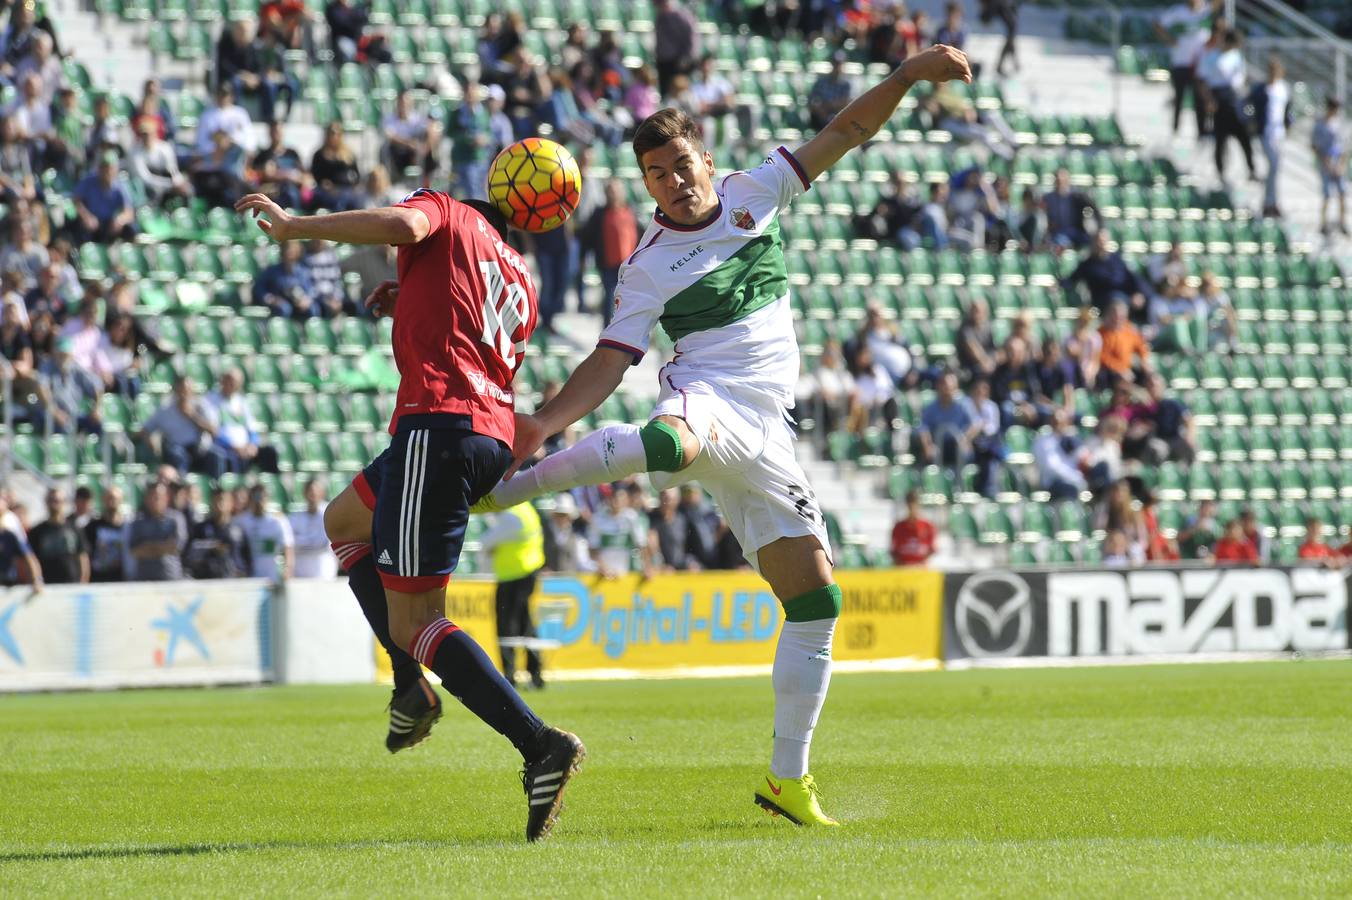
(913, 536)
(1123, 346)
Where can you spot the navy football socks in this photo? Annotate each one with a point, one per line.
(466, 671)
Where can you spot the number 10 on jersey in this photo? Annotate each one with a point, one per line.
(506, 308)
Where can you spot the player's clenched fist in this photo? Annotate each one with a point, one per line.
(272, 220)
(381, 300)
(937, 64)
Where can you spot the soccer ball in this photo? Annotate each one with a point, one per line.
(535, 184)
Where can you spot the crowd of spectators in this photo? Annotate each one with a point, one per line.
(67, 344)
(175, 533)
(169, 536)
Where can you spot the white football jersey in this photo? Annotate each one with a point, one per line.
(719, 289)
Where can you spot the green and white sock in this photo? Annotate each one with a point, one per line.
(609, 454)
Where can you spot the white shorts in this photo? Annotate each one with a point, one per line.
(746, 462)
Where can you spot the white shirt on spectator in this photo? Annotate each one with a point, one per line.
(238, 427)
(268, 535)
(893, 357)
(235, 122)
(987, 413)
(87, 349)
(314, 558)
(1229, 71)
(615, 537)
(874, 387)
(1054, 463)
(175, 427)
(414, 128)
(717, 91)
(1278, 94)
(155, 166)
(34, 119)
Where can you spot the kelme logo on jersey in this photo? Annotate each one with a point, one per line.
(742, 218)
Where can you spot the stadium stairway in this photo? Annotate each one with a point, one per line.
(1064, 76)
(112, 50)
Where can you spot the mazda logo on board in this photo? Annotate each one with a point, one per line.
(993, 615)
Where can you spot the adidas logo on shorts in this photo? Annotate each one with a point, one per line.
(384, 559)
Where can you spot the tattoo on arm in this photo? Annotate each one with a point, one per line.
(863, 132)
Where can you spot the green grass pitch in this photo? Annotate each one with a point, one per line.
(1160, 781)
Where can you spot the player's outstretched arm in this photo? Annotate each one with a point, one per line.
(386, 225)
(868, 112)
(589, 385)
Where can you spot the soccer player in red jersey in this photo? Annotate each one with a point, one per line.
(464, 308)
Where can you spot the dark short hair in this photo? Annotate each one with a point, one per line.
(490, 213)
(663, 127)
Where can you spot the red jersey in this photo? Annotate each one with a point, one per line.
(465, 312)
(912, 542)
(1315, 550)
(1236, 551)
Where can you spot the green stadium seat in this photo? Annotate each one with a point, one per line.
(281, 336)
(328, 415)
(302, 375)
(289, 413)
(1036, 525)
(315, 453)
(59, 456)
(354, 337)
(962, 526)
(28, 450)
(263, 375)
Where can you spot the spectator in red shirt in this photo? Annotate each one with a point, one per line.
(617, 237)
(1254, 534)
(1314, 546)
(1159, 549)
(1234, 547)
(913, 536)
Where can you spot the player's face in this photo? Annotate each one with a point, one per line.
(680, 177)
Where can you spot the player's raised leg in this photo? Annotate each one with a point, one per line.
(609, 454)
(414, 707)
(799, 572)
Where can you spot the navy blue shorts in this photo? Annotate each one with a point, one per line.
(421, 488)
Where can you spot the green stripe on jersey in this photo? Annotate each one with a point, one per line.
(752, 278)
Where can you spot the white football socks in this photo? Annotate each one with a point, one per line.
(802, 673)
(612, 453)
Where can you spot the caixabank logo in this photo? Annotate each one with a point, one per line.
(1169, 612)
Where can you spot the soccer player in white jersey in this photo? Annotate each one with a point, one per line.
(710, 270)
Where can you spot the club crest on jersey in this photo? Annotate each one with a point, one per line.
(742, 218)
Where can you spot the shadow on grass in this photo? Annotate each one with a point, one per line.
(151, 851)
(200, 849)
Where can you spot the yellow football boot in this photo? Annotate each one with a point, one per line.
(796, 799)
